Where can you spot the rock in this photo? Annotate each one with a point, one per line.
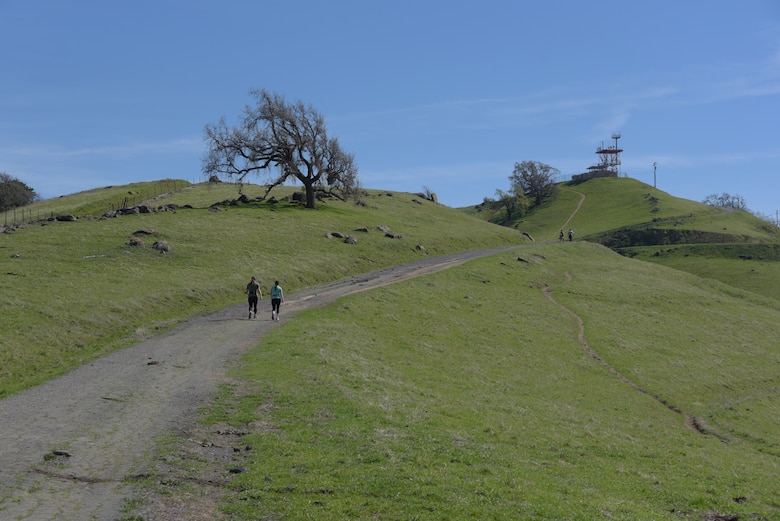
(161, 246)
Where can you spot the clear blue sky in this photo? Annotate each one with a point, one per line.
(439, 94)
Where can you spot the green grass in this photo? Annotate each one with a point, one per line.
(609, 203)
(467, 395)
(95, 202)
(71, 291)
(753, 267)
(615, 203)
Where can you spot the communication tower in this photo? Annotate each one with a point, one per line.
(610, 156)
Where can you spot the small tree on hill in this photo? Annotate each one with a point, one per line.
(534, 179)
(14, 193)
(513, 203)
(291, 138)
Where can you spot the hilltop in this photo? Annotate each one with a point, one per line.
(639, 221)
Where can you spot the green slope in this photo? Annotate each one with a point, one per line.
(640, 221)
(70, 291)
(480, 398)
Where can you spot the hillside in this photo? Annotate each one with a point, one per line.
(81, 288)
(574, 384)
(554, 381)
(639, 221)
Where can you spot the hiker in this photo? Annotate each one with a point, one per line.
(560, 237)
(277, 297)
(254, 294)
(571, 235)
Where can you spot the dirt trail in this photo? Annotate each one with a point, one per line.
(73, 447)
(579, 205)
(691, 421)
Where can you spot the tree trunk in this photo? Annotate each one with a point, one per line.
(311, 201)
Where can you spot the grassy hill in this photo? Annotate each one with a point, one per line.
(565, 381)
(640, 221)
(480, 399)
(71, 291)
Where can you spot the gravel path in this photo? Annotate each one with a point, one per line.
(73, 448)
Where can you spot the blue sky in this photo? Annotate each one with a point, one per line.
(443, 95)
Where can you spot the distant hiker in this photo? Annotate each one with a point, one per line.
(560, 237)
(571, 235)
(277, 297)
(254, 294)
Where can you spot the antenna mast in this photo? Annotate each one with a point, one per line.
(610, 156)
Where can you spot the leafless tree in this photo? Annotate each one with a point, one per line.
(290, 139)
(534, 179)
(725, 200)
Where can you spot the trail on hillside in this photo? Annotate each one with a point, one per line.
(74, 447)
(579, 205)
(691, 421)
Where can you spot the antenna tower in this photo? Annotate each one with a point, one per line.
(610, 156)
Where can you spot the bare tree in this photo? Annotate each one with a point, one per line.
(290, 138)
(534, 179)
(725, 200)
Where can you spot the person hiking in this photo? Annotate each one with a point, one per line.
(277, 297)
(571, 235)
(560, 237)
(254, 294)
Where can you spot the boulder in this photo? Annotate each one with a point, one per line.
(162, 246)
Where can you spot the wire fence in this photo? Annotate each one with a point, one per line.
(139, 197)
(30, 214)
(17, 216)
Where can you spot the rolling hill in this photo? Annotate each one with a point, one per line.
(557, 381)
